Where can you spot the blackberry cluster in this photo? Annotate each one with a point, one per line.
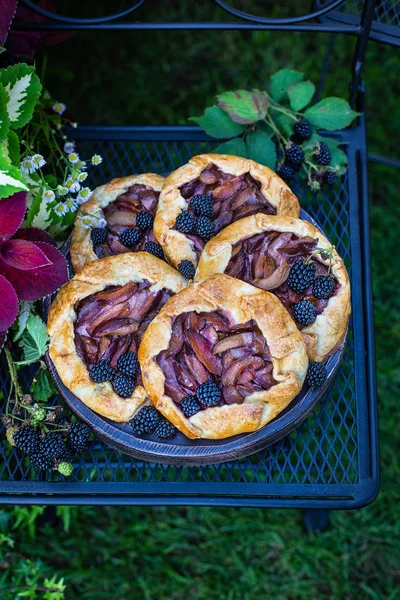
(185, 222)
(41, 461)
(123, 385)
(204, 228)
(294, 156)
(189, 406)
(26, 439)
(329, 177)
(323, 286)
(285, 171)
(208, 393)
(130, 237)
(128, 363)
(103, 371)
(303, 129)
(165, 430)
(98, 236)
(304, 312)
(68, 455)
(78, 437)
(144, 220)
(202, 205)
(52, 445)
(155, 249)
(186, 269)
(323, 155)
(145, 421)
(301, 276)
(316, 374)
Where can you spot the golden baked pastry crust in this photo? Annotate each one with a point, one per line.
(81, 245)
(176, 245)
(96, 276)
(329, 328)
(244, 302)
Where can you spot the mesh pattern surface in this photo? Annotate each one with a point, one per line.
(387, 13)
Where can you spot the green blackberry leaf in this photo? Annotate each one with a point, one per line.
(237, 147)
(285, 125)
(282, 81)
(34, 339)
(300, 94)
(243, 106)
(43, 386)
(261, 148)
(331, 114)
(218, 123)
(20, 323)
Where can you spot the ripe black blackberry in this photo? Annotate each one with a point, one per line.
(301, 275)
(285, 171)
(204, 228)
(103, 371)
(294, 156)
(316, 374)
(41, 461)
(78, 436)
(202, 205)
(68, 455)
(185, 222)
(128, 363)
(189, 406)
(52, 445)
(165, 430)
(208, 393)
(123, 385)
(323, 286)
(322, 154)
(26, 439)
(130, 237)
(304, 312)
(303, 129)
(145, 420)
(144, 220)
(98, 236)
(329, 177)
(186, 269)
(155, 249)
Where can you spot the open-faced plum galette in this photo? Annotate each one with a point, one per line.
(96, 324)
(207, 194)
(125, 208)
(221, 358)
(293, 260)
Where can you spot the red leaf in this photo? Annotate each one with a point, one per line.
(36, 283)
(23, 255)
(12, 211)
(8, 304)
(33, 234)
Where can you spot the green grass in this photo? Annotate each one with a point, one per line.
(230, 554)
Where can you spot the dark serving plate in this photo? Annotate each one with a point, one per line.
(183, 451)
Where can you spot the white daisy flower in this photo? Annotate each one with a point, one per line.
(101, 223)
(81, 166)
(96, 159)
(48, 195)
(87, 222)
(69, 147)
(26, 166)
(59, 108)
(72, 186)
(82, 176)
(61, 190)
(73, 157)
(74, 125)
(84, 194)
(38, 161)
(60, 209)
(71, 204)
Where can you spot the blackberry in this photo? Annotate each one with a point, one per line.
(204, 228)
(52, 445)
(323, 155)
(186, 269)
(294, 156)
(303, 129)
(285, 171)
(123, 385)
(145, 420)
(78, 436)
(208, 393)
(329, 177)
(102, 371)
(98, 236)
(144, 220)
(301, 276)
(26, 439)
(316, 374)
(304, 312)
(202, 205)
(65, 468)
(68, 455)
(128, 363)
(185, 222)
(323, 286)
(165, 430)
(155, 249)
(130, 237)
(189, 406)
(41, 461)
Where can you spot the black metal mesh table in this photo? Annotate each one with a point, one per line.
(331, 461)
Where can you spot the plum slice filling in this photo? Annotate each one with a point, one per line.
(234, 197)
(264, 260)
(207, 346)
(113, 321)
(121, 214)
